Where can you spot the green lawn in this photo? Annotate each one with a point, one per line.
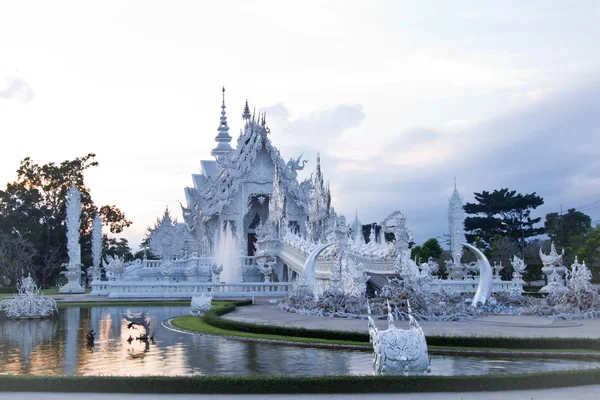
(199, 325)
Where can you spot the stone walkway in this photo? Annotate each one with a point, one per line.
(491, 325)
(591, 392)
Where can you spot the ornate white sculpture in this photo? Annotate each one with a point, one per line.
(580, 277)
(200, 304)
(94, 270)
(456, 226)
(398, 351)
(73, 273)
(114, 267)
(484, 288)
(166, 242)
(309, 274)
(265, 268)
(554, 269)
(277, 203)
(216, 272)
(519, 268)
(497, 268)
(28, 303)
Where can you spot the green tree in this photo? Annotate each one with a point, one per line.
(116, 248)
(569, 230)
(16, 257)
(34, 207)
(502, 212)
(590, 253)
(431, 248)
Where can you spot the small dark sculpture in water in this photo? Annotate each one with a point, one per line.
(141, 320)
(90, 338)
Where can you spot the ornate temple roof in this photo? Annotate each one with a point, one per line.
(221, 179)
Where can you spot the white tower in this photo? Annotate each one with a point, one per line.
(223, 138)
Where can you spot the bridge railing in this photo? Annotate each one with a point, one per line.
(172, 289)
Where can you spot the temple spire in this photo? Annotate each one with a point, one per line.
(223, 138)
(246, 113)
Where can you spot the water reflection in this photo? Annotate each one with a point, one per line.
(59, 346)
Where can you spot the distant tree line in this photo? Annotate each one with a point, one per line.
(500, 224)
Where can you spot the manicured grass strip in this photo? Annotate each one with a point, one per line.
(198, 324)
(291, 384)
(213, 319)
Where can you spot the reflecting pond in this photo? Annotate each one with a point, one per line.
(58, 347)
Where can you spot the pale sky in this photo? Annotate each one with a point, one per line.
(399, 97)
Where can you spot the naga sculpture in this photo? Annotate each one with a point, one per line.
(398, 351)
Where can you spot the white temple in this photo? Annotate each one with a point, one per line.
(248, 213)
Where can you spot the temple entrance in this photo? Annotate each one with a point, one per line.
(251, 243)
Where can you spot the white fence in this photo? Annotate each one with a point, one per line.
(171, 289)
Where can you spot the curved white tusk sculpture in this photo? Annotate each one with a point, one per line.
(484, 289)
(310, 274)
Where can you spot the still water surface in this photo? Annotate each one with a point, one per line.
(58, 347)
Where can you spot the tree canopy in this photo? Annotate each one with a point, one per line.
(503, 213)
(568, 230)
(34, 208)
(431, 248)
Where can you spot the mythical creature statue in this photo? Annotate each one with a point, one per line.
(519, 268)
(114, 267)
(294, 165)
(141, 320)
(216, 271)
(265, 267)
(398, 351)
(200, 304)
(553, 259)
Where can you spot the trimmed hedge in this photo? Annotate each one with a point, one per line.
(291, 384)
(213, 318)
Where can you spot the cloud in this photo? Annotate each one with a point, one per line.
(16, 88)
(318, 126)
(549, 147)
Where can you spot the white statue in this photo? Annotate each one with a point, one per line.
(456, 226)
(519, 268)
(398, 351)
(200, 304)
(28, 303)
(265, 268)
(554, 269)
(73, 272)
(216, 272)
(94, 271)
(114, 267)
